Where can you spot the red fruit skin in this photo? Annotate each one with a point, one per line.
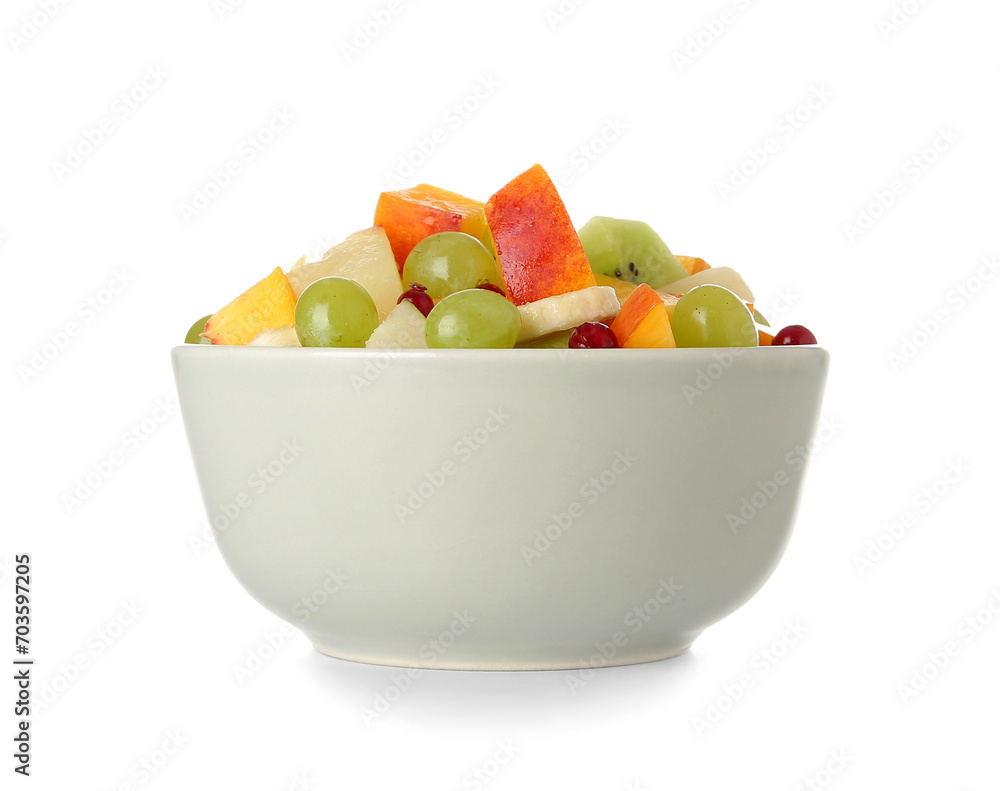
(794, 335)
(539, 251)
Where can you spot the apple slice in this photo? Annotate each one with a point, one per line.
(364, 257)
(403, 328)
(276, 336)
(717, 276)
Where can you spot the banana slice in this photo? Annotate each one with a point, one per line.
(566, 311)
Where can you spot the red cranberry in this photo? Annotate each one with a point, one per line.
(593, 335)
(793, 335)
(491, 287)
(417, 294)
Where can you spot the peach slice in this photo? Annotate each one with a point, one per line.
(538, 249)
(653, 332)
(634, 310)
(693, 265)
(267, 305)
(414, 214)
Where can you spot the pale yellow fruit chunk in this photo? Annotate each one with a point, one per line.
(276, 336)
(717, 276)
(669, 300)
(364, 257)
(403, 328)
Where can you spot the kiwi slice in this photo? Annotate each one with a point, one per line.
(629, 250)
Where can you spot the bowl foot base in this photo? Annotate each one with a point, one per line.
(501, 663)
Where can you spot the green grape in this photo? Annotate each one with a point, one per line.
(759, 318)
(194, 334)
(335, 311)
(449, 262)
(558, 340)
(473, 319)
(712, 316)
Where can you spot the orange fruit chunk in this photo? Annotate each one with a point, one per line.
(693, 265)
(414, 214)
(634, 310)
(653, 332)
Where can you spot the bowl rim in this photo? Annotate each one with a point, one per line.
(186, 348)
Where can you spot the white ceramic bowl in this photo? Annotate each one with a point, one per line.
(504, 510)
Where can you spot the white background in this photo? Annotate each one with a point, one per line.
(552, 80)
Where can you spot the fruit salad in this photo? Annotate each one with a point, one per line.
(443, 271)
